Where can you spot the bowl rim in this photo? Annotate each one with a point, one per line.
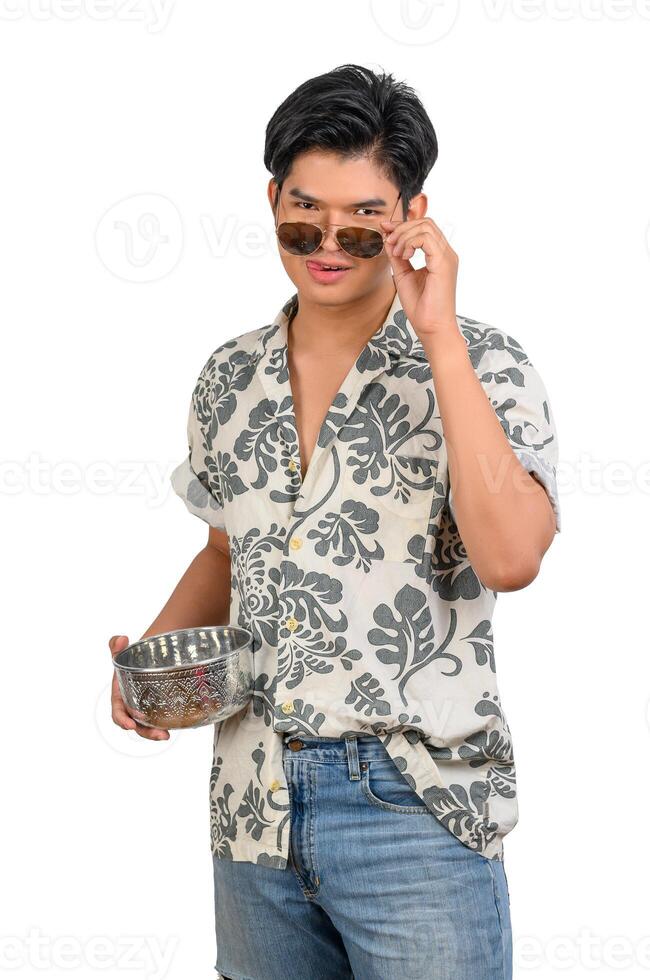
(178, 667)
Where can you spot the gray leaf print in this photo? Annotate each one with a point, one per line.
(223, 826)
(502, 781)
(450, 573)
(262, 441)
(343, 534)
(462, 813)
(483, 747)
(406, 637)
(216, 392)
(365, 695)
(306, 595)
(488, 339)
(303, 720)
(381, 423)
(231, 484)
(252, 809)
(483, 642)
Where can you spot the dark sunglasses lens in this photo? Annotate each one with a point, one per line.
(363, 243)
(299, 238)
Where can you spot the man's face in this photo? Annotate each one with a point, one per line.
(324, 189)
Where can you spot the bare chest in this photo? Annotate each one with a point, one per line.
(314, 386)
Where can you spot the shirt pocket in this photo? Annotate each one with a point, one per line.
(390, 500)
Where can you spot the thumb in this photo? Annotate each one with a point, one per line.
(117, 643)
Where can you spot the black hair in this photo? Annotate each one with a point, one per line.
(354, 112)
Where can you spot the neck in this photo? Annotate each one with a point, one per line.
(330, 329)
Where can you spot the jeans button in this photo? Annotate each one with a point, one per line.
(295, 744)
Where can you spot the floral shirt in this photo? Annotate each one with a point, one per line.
(366, 614)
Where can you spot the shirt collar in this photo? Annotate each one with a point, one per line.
(395, 338)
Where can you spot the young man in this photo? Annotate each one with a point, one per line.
(374, 469)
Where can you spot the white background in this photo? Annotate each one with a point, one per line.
(111, 112)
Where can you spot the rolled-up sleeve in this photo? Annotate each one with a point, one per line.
(196, 479)
(520, 400)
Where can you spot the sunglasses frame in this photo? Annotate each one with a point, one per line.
(324, 228)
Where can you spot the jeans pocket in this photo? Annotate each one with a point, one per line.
(384, 786)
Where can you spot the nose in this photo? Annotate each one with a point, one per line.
(330, 242)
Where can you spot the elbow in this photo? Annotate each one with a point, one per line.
(512, 575)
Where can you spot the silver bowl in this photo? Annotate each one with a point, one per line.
(187, 678)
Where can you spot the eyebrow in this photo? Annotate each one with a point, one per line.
(371, 202)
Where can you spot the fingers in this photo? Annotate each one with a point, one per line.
(418, 237)
(154, 734)
(121, 716)
(410, 235)
(119, 713)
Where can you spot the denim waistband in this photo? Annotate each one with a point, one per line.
(324, 749)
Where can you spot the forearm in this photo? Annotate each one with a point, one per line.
(503, 514)
(201, 598)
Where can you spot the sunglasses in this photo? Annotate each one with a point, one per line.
(304, 237)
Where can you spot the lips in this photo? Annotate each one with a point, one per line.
(326, 266)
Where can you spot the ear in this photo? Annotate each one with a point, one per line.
(271, 192)
(417, 207)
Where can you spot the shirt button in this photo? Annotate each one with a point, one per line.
(292, 624)
(293, 466)
(274, 785)
(287, 707)
(295, 543)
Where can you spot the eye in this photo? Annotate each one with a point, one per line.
(369, 212)
(305, 205)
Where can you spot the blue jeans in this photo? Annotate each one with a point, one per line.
(376, 888)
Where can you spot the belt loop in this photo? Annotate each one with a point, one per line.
(353, 756)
